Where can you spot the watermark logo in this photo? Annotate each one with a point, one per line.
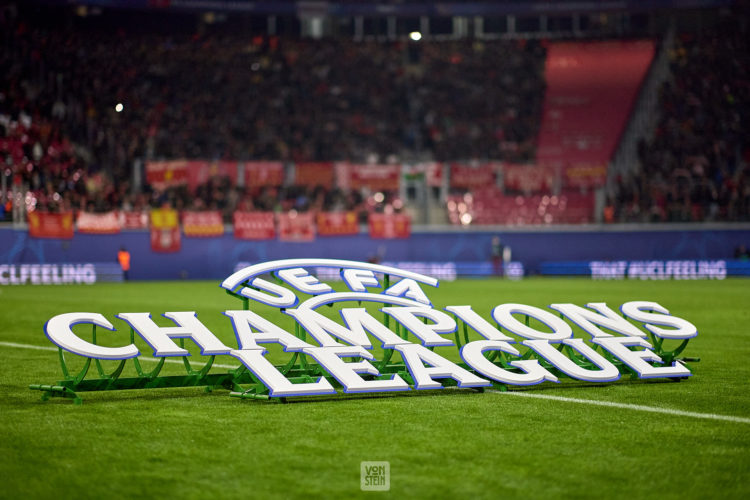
(375, 476)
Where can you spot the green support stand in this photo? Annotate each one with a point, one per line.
(243, 384)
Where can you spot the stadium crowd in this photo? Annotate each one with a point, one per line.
(219, 194)
(697, 165)
(79, 105)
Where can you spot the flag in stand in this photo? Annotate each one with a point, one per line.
(388, 226)
(295, 226)
(106, 223)
(314, 174)
(337, 223)
(165, 230)
(45, 225)
(264, 173)
(374, 177)
(465, 176)
(163, 174)
(254, 225)
(134, 220)
(202, 224)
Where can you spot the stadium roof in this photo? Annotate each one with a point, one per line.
(402, 7)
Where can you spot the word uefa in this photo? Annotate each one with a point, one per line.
(342, 349)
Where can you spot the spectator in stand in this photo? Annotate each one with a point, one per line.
(81, 101)
(695, 168)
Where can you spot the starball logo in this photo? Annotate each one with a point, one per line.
(518, 345)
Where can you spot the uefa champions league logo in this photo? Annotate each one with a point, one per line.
(512, 344)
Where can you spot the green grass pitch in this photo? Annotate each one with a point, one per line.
(184, 443)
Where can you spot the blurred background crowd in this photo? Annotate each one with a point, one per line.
(81, 103)
(695, 167)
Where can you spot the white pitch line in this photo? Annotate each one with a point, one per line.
(625, 406)
(141, 358)
(28, 346)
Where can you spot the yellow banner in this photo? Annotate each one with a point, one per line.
(164, 218)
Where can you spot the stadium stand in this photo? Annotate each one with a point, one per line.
(695, 167)
(281, 99)
(492, 206)
(81, 103)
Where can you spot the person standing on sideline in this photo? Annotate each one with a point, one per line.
(501, 255)
(123, 257)
(497, 256)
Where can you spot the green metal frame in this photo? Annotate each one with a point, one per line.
(243, 384)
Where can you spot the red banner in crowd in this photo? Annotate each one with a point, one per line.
(199, 172)
(165, 240)
(45, 225)
(202, 224)
(295, 226)
(389, 226)
(591, 89)
(165, 230)
(163, 174)
(254, 225)
(106, 223)
(432, 172)
(374, 177)
(528, 178)
(134, 220)
(314, 174)
(588, 176)
(473, 177)
(337, 223)
(264, 173)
